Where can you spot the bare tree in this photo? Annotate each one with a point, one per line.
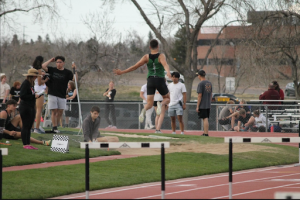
(191, 15)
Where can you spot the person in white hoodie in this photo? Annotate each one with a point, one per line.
(257, 122)
(143, 95)
(177, 102)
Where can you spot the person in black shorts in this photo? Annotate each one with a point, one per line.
(204, 91)
(157, 65)
(11, 131)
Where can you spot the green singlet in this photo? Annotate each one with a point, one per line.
(155, 68)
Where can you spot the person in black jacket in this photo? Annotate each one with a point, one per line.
(27, 106)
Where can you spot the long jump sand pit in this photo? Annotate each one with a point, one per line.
(220, 148)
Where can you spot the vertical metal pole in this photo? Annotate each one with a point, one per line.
(217, 116)
(230, 168)
(267, 127)
(139, 115)
(0, 174)
(87, 175)
(79, 105)
(162, 171)
(298, 164)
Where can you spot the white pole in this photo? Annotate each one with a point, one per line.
(79, 106)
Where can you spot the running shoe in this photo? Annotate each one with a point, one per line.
(142, 115)
(114, 127)
(32, 147)
(27, 147)
(37, 130)
(41, 128)
(109, 126)
(47, 142)
(158, 131)
(158, 109)
(205, 134)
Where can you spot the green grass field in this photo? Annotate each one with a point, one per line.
(62, 180)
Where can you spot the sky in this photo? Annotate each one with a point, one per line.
(71, 26)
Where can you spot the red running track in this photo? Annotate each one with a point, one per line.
(248, 184)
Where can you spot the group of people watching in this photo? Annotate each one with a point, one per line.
(239, 118)
(175, 107)
(29, 98)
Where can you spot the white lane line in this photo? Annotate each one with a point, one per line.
(180, 181)
(225, 184)
(258, 190)
(287, 180)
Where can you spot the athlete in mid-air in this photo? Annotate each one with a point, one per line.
(157, 65)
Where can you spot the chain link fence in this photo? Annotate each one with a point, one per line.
(287, 116)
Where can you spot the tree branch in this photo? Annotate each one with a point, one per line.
(19, 9)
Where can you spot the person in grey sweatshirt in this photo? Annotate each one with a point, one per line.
(91, 125)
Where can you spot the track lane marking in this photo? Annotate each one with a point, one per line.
(185, 180)
(206, 187)
(257, 190)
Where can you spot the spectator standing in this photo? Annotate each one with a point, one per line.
(204, 91)
(110, 94)
(71, 97)
(57, 88)
(143, 95)
(226, 112)
(15, 91)
(11, 131)
(39, 86)
(177, 102)
(91, 125)
(4, 89)
(270, 94)
(27, 106)
(279, 90)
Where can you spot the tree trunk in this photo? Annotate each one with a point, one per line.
(188, 84)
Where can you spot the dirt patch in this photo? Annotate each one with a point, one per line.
(139, 136)
(220, 149)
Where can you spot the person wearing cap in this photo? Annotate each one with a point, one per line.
(156, 64)
(204, 91)
(27, 106)
(177, 102)
(57, 88)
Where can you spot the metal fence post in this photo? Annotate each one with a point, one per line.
(139, 106)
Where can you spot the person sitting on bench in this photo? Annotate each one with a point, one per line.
(11, 131)
(90, 127)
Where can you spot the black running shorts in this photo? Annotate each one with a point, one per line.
(203, 113)
(156, 83)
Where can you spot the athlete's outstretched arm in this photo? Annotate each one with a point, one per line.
(163, 61)
(140, 63)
